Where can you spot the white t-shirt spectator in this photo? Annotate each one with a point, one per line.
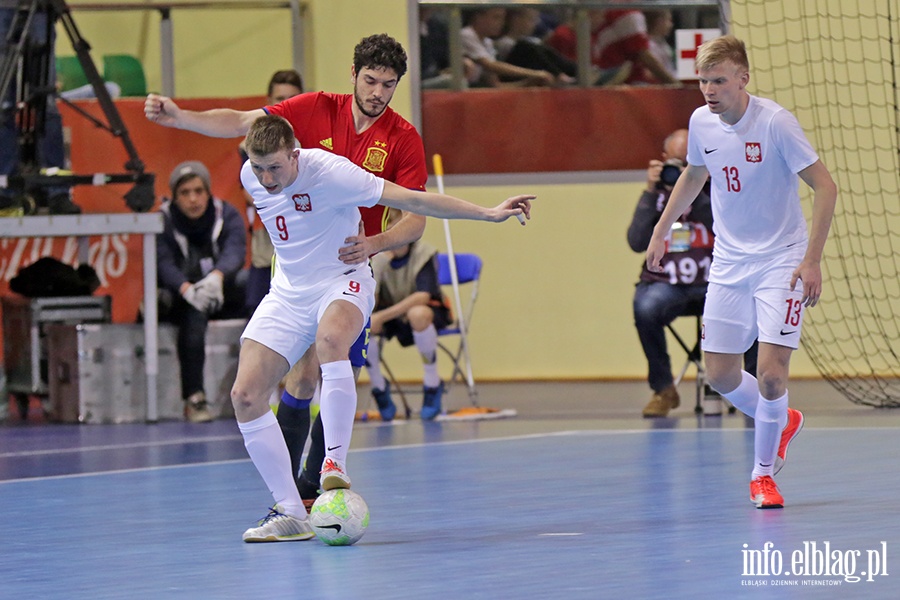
(475, 48)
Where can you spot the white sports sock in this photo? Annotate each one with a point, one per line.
(745, 396)
(338, 408)
(770, 419)
(268, 451)
(431, 379)
(373, 365)
(426, 342)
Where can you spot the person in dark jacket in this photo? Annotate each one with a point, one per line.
(200, 259)
(680, 288)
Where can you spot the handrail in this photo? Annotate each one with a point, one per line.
(166, 36)
(582, 24)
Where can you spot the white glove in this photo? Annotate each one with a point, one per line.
(194, 299)
(210, 291)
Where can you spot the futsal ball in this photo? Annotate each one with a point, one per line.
(339, 517)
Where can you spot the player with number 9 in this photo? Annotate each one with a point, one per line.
(315, 298)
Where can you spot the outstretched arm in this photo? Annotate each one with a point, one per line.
(443, 206)
(216, 122)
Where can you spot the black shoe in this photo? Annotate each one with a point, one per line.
(307, 488)
(309, 492)
(61, 204)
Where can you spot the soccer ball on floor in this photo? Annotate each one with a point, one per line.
(339, 517)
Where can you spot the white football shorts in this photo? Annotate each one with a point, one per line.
(288, 326)
(753, 299)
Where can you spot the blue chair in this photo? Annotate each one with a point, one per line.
(468, 271)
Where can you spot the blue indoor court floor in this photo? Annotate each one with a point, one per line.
(577, 498)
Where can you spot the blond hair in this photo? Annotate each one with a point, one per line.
(721, 49)
(269, 134)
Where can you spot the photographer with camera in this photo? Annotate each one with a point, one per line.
(681, 286)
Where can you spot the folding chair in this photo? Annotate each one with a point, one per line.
(468, 271)
(694, 357)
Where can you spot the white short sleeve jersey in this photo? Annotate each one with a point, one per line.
(310, 219)
(753, 168)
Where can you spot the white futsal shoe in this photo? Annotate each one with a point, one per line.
(334, 476)
(279, 527)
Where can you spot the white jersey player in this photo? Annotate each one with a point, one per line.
(766, 267)
(306, 273)
(308, 199)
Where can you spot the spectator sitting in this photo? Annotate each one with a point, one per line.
(548, 20)
(659, 27)
(200, 253)
(410, 306)
(681, 287)
(518, 46)
(484, 24)
(434, 50)
(564, 40)
(282, 85)
(623, 38)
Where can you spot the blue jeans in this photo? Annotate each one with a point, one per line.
(50, 148)
(656, 305)
(259, 279)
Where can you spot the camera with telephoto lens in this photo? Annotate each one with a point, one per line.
(671, 170)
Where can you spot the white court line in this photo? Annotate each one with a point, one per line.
(154, 444)
(576, 432)
(237, 437)
(242, 460)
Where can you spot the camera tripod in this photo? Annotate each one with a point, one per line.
(26, 64)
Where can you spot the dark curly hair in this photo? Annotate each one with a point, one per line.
(380, 51)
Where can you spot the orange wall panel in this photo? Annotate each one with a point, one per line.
(118, 258)
(540, 129)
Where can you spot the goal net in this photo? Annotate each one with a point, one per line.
(834, 64)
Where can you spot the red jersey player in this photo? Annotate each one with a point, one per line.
(362, 127)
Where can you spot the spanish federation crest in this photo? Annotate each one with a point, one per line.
(753, 152)
(375, 159)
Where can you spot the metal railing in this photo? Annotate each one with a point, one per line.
(582, 23)
(580, 8)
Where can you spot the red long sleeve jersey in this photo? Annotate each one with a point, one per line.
(391, 148)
